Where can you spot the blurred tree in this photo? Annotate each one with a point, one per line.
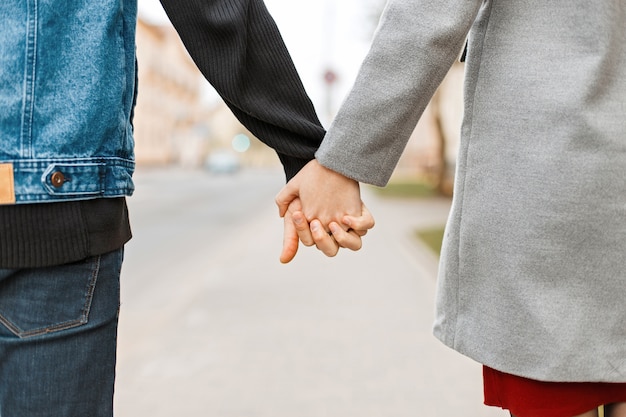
(445, 108)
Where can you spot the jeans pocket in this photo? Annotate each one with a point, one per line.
(38, 301)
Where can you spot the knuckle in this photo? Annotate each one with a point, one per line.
(302, 227)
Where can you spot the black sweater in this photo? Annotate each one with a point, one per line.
(238, 48)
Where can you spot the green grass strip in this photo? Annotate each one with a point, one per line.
(432, 238)
(406, 189)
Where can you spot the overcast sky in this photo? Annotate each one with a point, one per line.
(320, 34)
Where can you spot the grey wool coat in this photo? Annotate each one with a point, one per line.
(533, 269)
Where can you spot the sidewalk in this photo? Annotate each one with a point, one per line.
(245, 336)
(382, 305)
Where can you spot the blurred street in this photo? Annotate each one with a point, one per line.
(213, 325)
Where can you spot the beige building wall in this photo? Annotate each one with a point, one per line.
(169, 110)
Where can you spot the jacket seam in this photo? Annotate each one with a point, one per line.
(489, 4)
(30, 73)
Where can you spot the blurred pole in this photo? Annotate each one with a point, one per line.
(330, 78)
(329, 75)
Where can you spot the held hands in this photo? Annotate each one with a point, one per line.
(297, 228)
(322, 207)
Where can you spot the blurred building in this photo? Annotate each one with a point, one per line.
(176, 123)
(179, 119)
(168, 102)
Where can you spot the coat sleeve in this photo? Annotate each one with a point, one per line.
(239, 49)
(415, 44)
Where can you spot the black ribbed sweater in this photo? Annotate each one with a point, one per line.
(238, 48)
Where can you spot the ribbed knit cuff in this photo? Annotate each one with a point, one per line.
(45, 234)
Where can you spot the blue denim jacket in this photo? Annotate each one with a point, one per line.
(67, 87)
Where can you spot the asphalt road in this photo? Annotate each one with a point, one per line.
(213, 325)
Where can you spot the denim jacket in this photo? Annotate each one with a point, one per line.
(67, 87)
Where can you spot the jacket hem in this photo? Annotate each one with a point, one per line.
(72, 179)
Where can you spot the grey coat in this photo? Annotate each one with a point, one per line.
(533, 269)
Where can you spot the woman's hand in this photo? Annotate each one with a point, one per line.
(322, 207)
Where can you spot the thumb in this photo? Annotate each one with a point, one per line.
(290, 240)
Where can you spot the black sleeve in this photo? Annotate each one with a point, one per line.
(238, 48)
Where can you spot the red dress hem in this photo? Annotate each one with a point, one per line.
(525, 397)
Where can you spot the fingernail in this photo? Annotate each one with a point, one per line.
(297, 219)
(315, 226)
(347, 221)
(333, 228)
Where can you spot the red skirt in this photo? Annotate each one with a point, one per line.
(526, 397)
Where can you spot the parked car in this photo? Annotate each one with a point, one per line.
(223, 162)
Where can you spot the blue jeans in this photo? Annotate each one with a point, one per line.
(58, 331)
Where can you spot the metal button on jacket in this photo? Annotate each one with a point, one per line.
(57, 178)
